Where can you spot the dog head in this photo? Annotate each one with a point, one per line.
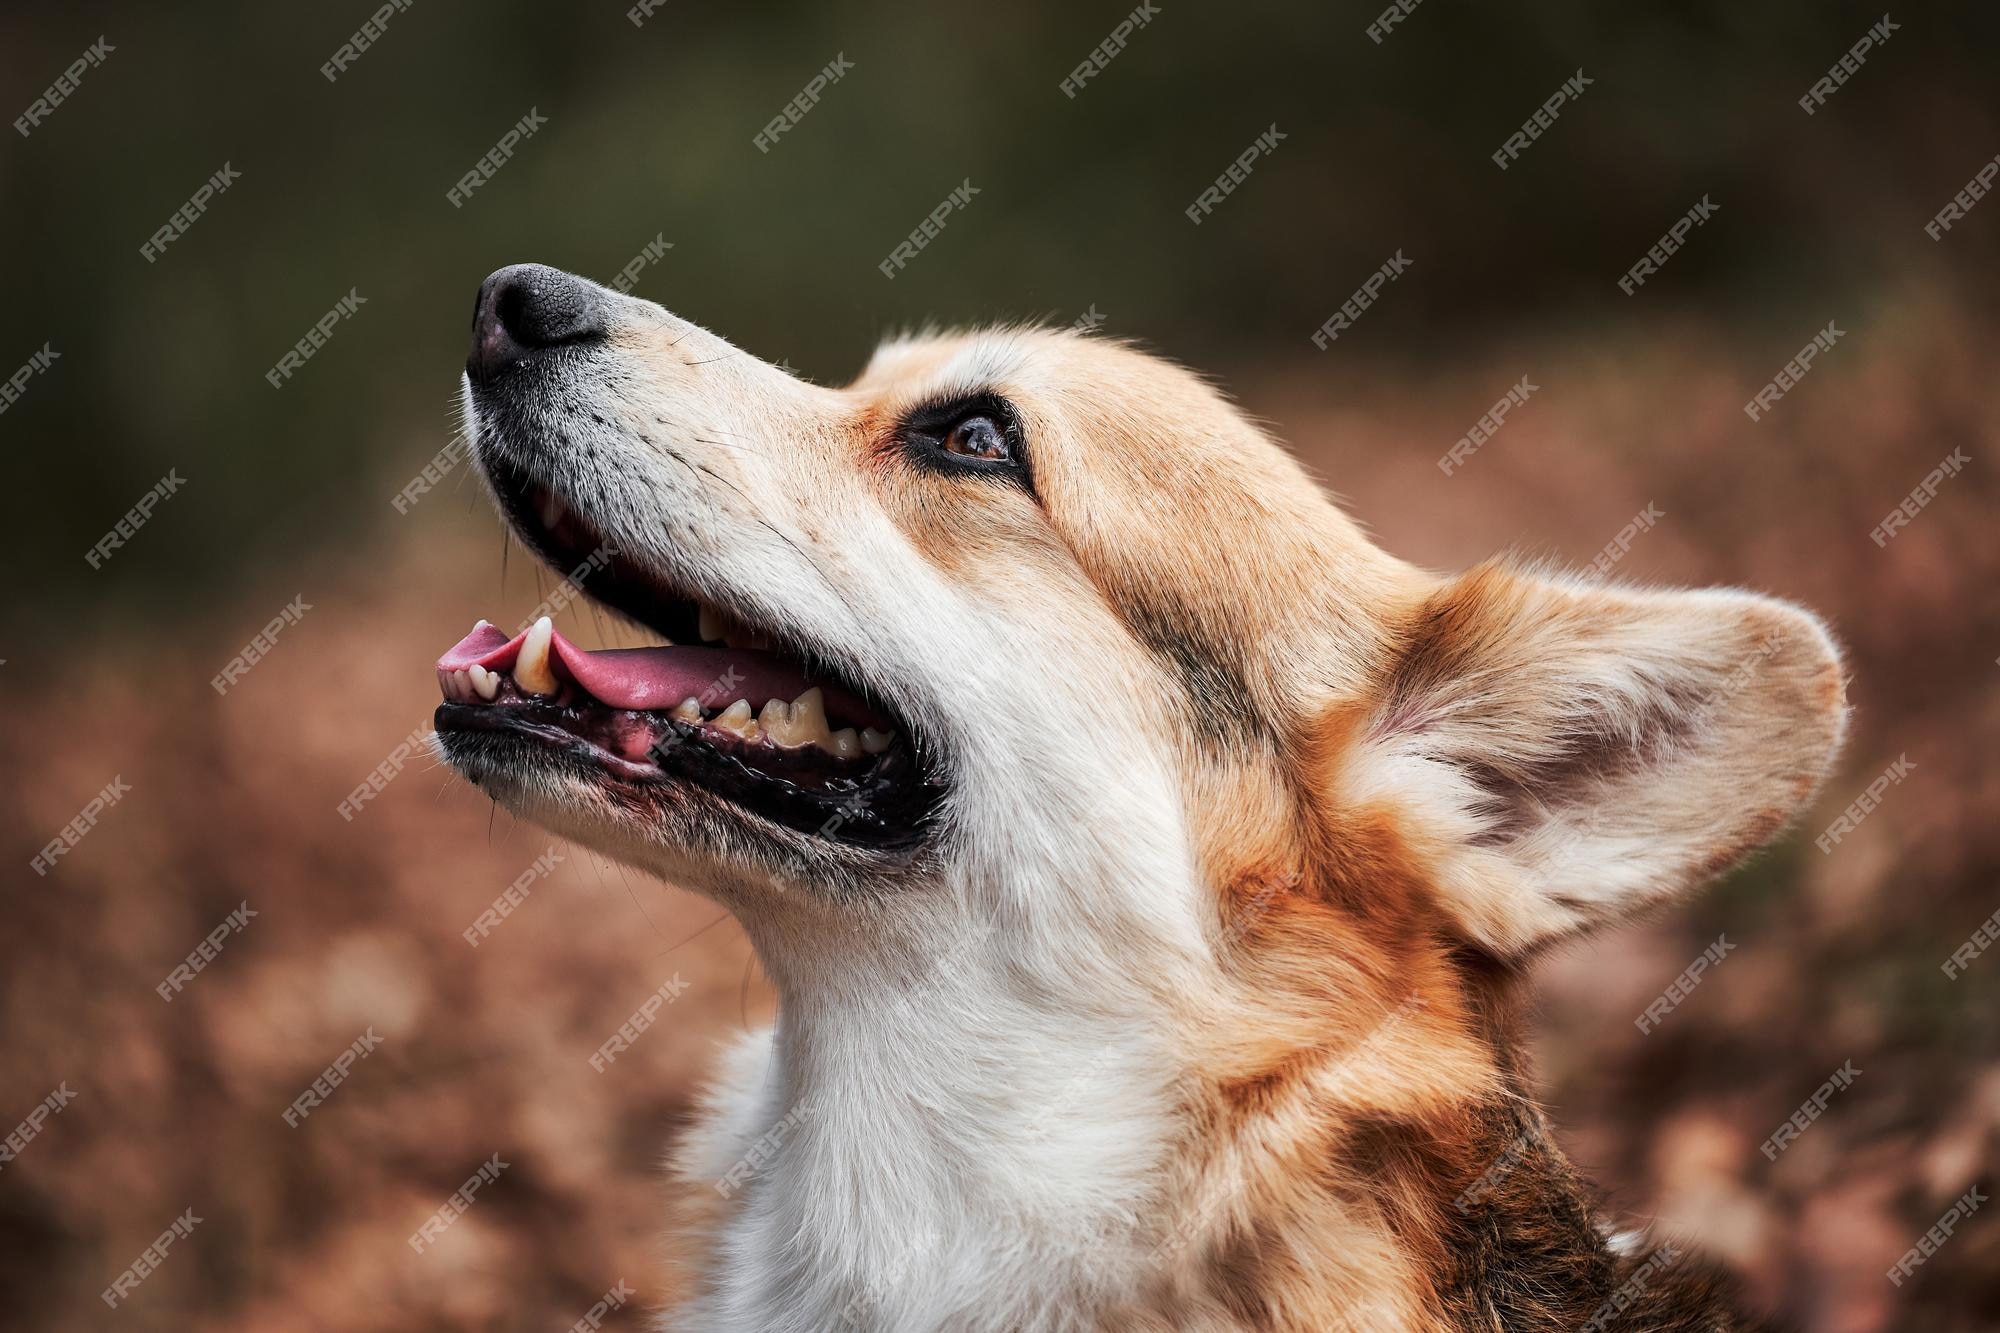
(1075, 646)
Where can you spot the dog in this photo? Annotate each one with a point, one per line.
(1147, 863)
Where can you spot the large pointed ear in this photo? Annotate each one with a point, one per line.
(1567, 753)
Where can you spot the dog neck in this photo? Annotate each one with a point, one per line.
(961, 1130)
(971, 1119)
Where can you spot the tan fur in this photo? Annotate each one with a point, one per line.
(1396, 787)
(1347, 1031)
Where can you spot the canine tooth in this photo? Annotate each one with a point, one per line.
(874, 742)
(776, 722)
(736, 718)
(552, 509)
(486, 682)
(531, 668)
(688, 709)
(711, 624)
(846, 743)
(809, 719)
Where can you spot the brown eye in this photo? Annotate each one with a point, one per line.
(979, 437)
(970, 435)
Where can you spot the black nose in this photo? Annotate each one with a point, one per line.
(525, 308)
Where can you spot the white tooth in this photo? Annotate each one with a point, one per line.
(846, 744)
(776, 722)
(874, 742)
(459, 688)
(711, 624)
(531, 668)
(736, 718)
(552, 509)
(688, 709)
(809, 719)
(486, 682)
(479, 625)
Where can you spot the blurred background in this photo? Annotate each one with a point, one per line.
(286, 496)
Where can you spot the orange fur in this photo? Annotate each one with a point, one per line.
(1372, 794)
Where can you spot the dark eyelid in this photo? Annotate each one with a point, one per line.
(937, 417)
(923, 430)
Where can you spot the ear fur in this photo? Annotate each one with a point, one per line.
(1570, 753)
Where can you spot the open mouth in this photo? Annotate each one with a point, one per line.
(720, 705)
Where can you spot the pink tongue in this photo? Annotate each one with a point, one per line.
(645, 679)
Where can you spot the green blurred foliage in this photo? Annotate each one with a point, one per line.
(650, 133)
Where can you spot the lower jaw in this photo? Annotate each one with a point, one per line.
(882, 804)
